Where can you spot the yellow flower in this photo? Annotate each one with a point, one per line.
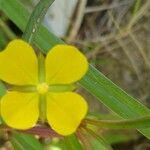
(42, 87)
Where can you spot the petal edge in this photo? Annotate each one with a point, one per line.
(20, 110)
(18, 64)
(65, 64)
(65, 111)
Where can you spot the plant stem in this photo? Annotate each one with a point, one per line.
(136, 6)
(142, 122)
(36, 19)
(98, 138)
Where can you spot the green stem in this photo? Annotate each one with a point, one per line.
(142, 122)
(98, 138)
(136, 6)
(6, 30)
(36, 18)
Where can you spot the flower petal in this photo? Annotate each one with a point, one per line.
(65, 111)
(20, 110)
(65, 64)
(18, 64)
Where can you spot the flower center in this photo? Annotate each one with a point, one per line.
(42, 88)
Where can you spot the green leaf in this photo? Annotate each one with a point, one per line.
(97, 145)
(120, 137)
(7, 30)
(22, 141)
(95, 82)
(36, 18)
(72, 143)
(112, 96)
(20, 16)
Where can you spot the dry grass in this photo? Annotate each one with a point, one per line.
(115, 37)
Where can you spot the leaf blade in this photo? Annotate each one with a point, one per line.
(22, 141)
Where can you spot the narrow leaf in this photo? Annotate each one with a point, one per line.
(72, 143)
(36, 18)
(22, 141)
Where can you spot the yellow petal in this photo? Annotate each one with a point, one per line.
(18, 64)
(65, 111)
(20, 110)
(65, 64)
